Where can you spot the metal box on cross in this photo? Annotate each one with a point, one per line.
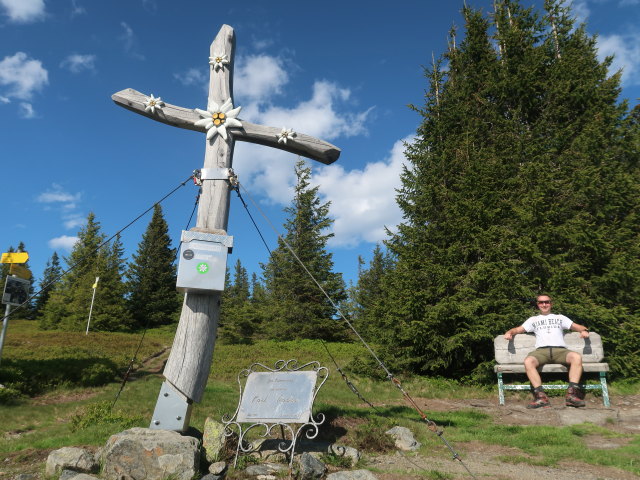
(203, 262)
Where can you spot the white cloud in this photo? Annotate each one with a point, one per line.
(323, 115)
(363, 202)
(21, 77)
(77, 9)
(26, 110)
(73, 221)
(579, 9)
(76, 63)
(23, 11)
(63, 242)
(4, 99)
(56, 194)
(259, 77)
(130, 42)
(193, 76)
(626, 51)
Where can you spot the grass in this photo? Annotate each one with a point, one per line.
(66, 412)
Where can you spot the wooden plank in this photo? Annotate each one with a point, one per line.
(515, 351)
(303, 145)
(551, 368)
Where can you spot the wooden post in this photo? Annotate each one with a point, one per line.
(190, 359)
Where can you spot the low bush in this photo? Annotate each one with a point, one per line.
(102, 413)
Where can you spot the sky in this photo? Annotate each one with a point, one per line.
(344, 72)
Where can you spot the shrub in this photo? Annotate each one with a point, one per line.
(370, 436)
(102, 413)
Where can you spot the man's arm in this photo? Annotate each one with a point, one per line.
(584, 331)
(514, 331)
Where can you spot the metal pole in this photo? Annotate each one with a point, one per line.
(95, 285)
(5, 323)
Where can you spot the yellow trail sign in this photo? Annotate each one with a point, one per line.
(20, 271)
(14, 257)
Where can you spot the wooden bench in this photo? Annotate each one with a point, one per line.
(510, 355)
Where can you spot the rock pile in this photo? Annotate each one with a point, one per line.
(144, 454)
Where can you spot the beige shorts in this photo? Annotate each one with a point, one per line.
(546, 355)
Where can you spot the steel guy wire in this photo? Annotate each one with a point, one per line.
(70, 268)
(430, 424)
(351, 386)
(125, 378)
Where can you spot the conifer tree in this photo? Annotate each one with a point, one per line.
(151, 275)
(238, 316)
(296, 308)
(50, 278)
(70, 301)
(369, 291)
(524, 179)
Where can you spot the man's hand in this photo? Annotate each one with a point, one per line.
(508, 335)
(584, 334)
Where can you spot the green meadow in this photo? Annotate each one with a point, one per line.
(60, 389)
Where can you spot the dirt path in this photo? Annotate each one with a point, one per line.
(483, 460)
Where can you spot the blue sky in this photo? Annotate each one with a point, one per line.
(341, 71)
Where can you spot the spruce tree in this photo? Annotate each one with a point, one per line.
(109, 308)
(523, 179)
(238, 316)
(70, 301)
(369, 291)
(50, 278)
(151, 275)
(296, 308)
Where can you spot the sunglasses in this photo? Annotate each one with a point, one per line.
(544, 302)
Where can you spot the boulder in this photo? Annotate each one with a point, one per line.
(142, 453)
(266, 469)
(217, 468)
(310, 468)
(213, 440)
(344, 451)
(404, 438)
(70, 474)
(70, 458)
(352, 475)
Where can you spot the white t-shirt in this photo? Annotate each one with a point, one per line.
(548, 329)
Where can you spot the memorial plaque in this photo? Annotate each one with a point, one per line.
(278, 397)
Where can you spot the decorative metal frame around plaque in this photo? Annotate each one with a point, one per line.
(266, 401)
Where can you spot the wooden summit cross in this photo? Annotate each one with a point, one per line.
(189, 363)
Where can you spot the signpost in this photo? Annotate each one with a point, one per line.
(16, 288)
(20, 271)
(14, 257)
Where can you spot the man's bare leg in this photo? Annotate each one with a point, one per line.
(531, 367)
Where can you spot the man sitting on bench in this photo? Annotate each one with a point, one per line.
(551, 348)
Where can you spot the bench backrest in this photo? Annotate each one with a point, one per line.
(515, 351)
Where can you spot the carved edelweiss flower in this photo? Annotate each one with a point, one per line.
(218, 61)
(151, 103)
(217, 118)
(285, 135)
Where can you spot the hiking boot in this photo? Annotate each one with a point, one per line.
(540, 400)
(574, 397)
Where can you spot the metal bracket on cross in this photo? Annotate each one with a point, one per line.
(189, 363)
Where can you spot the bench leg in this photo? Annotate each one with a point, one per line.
(500, 389)
(605, 389)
